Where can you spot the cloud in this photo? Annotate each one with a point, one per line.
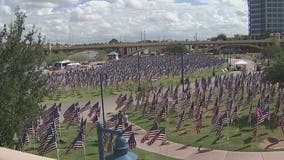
(101, 20)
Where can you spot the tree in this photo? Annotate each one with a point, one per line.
(22, 84)
(274, 73)
(221, 36)
(113, 41)
(177, 48)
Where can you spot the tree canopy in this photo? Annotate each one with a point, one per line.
(274, 73)
(22, 84)
(220, 36)
(178, 48)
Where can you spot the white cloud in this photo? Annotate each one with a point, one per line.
(99, 20)
(5, 10)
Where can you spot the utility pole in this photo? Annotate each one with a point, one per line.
(144, 36)
(182, 71)
(70, 35)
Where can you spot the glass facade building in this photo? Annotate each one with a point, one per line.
(265, 17)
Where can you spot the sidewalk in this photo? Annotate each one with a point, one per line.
(180, 151)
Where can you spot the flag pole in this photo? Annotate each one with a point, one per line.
(84, 147)
(56, 139)
(84, 151)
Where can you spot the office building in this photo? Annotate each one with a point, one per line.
(265, 17)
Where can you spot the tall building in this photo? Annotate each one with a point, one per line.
(265, 17)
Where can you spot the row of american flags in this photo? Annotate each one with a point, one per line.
(46, 130)
(125, 69)
(224, 98)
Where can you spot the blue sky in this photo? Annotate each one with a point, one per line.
(91, 21)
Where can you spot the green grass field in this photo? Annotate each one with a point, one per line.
(91, 146)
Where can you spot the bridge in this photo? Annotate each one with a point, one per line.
(204, 46)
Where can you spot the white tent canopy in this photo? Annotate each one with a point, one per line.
(241, 62)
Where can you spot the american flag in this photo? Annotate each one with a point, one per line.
(78, 142)
(282, 122)
(93, 109)
(161, 135)
(25, 138)
(112, 121)
(151, 112)
(69, 111)
(94, 121)
(53, 114)
(277, 106)
(130, 100)
(46, 136)
(31, 128)
(180, 120)
(234, 115)
(127, 132)
(74, 117)
(121, 101)
(198, 124)
(51, 145)
(215, 111)
(162, 114)
(128, 104)
(225, 117)
(132, 141)
(48, 146)
(261, 114)
(86, 107)
(118, 99)
(83, 124)
(219, 127)
(119, 125)
(151, 133)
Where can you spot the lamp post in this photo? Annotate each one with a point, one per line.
(103, 76)
(182, 71)
(227, 61)
(138, 70)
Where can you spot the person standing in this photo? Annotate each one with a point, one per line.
(125, 119)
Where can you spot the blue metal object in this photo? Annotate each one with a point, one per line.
(121, 149)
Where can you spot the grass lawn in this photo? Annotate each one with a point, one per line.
(237, 137)
(68, 136)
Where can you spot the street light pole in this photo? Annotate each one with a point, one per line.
(138, 70)
(102, 96)
(182, 71)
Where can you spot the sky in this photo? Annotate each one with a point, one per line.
(93, 21)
